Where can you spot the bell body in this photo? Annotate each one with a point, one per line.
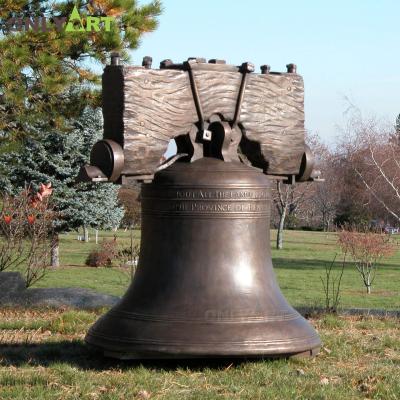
(205, 285)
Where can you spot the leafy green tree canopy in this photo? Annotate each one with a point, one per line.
(46, 79)
(56, 158)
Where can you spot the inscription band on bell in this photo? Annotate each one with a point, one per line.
(252, 201)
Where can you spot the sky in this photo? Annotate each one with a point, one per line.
(346, 51)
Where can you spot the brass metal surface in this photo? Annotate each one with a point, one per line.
(205, 285)
(108, 156)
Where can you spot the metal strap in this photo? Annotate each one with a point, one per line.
(240, 97)
(195, 94)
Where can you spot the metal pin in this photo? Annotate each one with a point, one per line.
(216, 61)
(165, 63)
(115, 58)
(291, 68)
(147, 61)
(265, 69)
(247, 67)
(197, 59)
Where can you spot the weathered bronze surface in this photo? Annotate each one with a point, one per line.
(205, 285)
(145, 108)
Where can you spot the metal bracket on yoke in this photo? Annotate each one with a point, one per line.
(202, 132)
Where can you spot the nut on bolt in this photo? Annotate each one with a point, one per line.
(265, 69)
(147, 61)
(216, 61)
(115, 58)
(165, 63)
(291, 68)
(247, 67)
(197, 59)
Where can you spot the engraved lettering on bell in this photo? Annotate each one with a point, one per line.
(218, 194)
(204, 285)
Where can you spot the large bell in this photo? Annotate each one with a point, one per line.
(205, 285)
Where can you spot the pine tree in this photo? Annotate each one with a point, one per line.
(46, 86)
(56, 158)
(45, 77)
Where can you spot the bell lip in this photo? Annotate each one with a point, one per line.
(309, 349)
(145, 348)
(312, 352)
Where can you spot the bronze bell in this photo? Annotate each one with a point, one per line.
(205, 285)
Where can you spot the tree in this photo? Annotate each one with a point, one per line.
(292, 200)
(374, 158)
(325, 200)
(56, 158)
(46, 85)
(352, 199)
(129, 196)
(366, 248)
(46, 78)
(397, 129)
(287, 199)
(325, 196)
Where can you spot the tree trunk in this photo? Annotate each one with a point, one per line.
(85, 234)
(279, 236)
(328, 225)
(131, 244)
(324, 222)
(97, 236)
(368, 285)
(55, 251)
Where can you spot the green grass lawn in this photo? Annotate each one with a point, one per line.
(42, 356)
(299, 268)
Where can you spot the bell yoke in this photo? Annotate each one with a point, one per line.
(205, 285)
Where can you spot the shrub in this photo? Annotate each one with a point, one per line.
(104, 254)
(26, 229)
(331, 285)
(366, 249)
(129, 257)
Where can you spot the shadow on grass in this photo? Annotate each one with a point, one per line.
(303, 243)
(284, 263)
(77, 354)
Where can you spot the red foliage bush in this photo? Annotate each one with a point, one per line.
(26, 229)
(366, 249)
(104, 255)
